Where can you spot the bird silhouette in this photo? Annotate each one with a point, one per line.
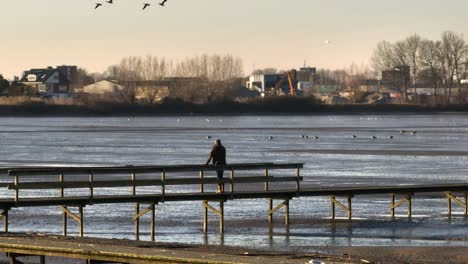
(163, 2)
(98, 5)
(145, 5)
(110, 1)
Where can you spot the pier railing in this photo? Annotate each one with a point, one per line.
(39, 179)
(152, 176)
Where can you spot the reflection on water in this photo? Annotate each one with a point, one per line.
(339, 151)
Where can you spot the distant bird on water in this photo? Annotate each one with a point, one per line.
(163, 2)
(98, 5)
(145, 5)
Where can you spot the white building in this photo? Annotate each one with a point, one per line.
(103, 87)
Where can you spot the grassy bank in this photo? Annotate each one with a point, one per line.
(271, 106)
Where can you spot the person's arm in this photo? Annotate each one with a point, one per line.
(209, 158)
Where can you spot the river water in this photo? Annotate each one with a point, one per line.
(344, 154)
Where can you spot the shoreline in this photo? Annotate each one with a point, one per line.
(227, 254)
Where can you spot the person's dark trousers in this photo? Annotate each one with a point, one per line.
(220, 177)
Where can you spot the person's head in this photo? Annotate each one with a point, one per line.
(218, 142)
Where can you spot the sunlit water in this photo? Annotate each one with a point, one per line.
(437, 153)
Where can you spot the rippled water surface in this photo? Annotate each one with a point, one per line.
(436, 153)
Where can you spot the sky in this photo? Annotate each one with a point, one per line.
(283, 34)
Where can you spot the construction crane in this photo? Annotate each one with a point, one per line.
(289, 77)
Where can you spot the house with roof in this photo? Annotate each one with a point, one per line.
(50, 80)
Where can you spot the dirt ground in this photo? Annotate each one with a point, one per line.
(218, 254)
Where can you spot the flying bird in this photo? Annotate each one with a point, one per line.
(163, 2)
(98, 5)
(145, 5)
(110, 1)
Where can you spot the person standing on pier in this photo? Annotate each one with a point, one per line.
(218, 156)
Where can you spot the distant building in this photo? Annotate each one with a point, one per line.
(397, 78)
(265, 83)
(103, 87)
(371, 85)
(51, 80)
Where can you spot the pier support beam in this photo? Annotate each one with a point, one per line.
(347, 209)
(219, 213)
(272, 210)
(395, 204)
(4, 216)
(150, 209)
(457, 200)
(78, 218)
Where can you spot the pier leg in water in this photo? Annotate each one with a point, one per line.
(335, 202)
(399, 203)
(4, 215)
(78, 218)
(219, 213)
(272, 210)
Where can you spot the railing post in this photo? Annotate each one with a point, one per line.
(64, 214)
(91, 186)
(16, 188)
(137, 209)
(163, 184)
(298, 179)
(466, 204)
(449, 204)
(153, 209)
(231, 179)
(392, 210)
(332, 207)
(266, 180)
(202, 186)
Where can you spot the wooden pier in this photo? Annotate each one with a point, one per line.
(287, 176)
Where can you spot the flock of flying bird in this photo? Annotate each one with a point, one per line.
(145, 5)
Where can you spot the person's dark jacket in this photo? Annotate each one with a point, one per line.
(218, 155)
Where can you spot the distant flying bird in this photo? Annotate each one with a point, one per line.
(163, 2)
(145, 5)
(98, 5)
(110, 1)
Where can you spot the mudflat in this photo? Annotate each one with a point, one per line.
(147, 252)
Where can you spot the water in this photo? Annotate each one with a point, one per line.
(437, 153)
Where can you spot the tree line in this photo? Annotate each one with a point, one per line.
(441, 64)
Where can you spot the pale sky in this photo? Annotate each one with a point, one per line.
(264, 33)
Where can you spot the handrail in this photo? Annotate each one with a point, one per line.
(146, 169)
(134, 171)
